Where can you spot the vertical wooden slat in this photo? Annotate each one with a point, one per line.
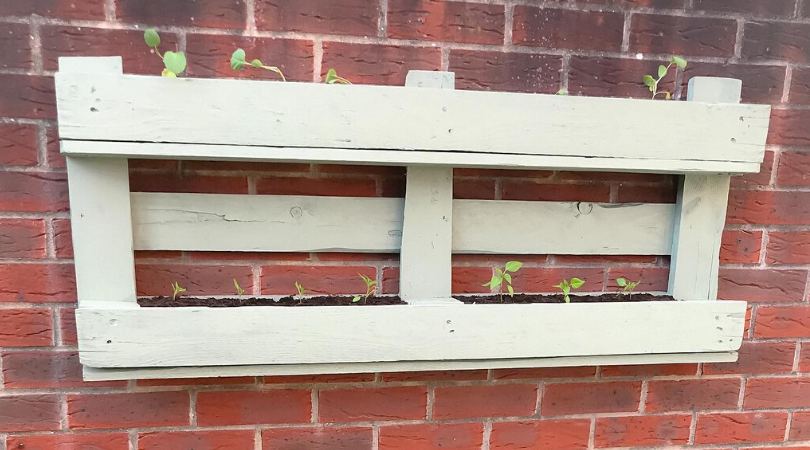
(701, 210)
(100, 213)
(425, 258)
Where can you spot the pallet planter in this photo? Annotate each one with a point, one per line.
(106, 117)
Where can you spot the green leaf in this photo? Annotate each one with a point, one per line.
(507, 277)
(513, 266)
(511, 291)
(500, 272)
(331, 76)
(662, 71)
(151, 37)
(632, 285)
(256, 63)
(559, 286)
(356, 298)
(175, 61)
(678, 61)
(667, 95)
(562, 91)
(497, 282)
(576, 283)
(621, 282)
(649, 81)
(168, 74)
(238, 59)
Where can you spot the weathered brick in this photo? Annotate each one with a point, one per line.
(67, 324)
(561, 28)
(733, 428)
(281, 279)
(432, 20)
(508, 400)
(320, 379)
(15, 46)
(776, 40)
(800, 426)
(754, 180)
(757, 285)
(25, 327)
(740, 247)
(543, 192)
(436, 375)
(320, 438)
(788, 127)
(649, 370)
(788, 247)
(33, 191)
(646, 194)
(506, 72)
(156, 279)
(804, 358)
(782, 322)
(187, 183)
(545, 434)
(130, 410)
(222, 408)
(61, 9)
(362, 405)
(642, 431)
(63, 241)
(84, 441)
(40, 369)
(22, 238)
(794, 169)
(230, 381)
(356, 17)
(27, 96)
(778, 393)
(686, 36)
(197, 440)
(768, 208)
(377, 64)
(337, 187)
(196, 13)
(611, 77)
(761, 84)
(211, 57)
(587, 398)
(653, 279)
(18, 145)
(29, 413)
(800, 87)
(474, 189)
(545, 373)
(757, 358)
(771, 8)
(663, 4)
(543, 279)
(450, 436)
(692, 395)
(37, 283)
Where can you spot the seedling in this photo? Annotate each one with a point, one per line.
(652, 82)
(174, 62)
(300, 289)
(565, 286)
(239, 290)
(332, 78)
(370, 286)
(238, 62)
(627, 285)
(562, 91)
(504, 275)
(176, 289)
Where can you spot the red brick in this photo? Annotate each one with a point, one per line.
(200, 184)
(545, 373)
(357, 17)
(33, 192)
(733, 428)
(782, 322)
(224, 408)
(38, 369)
(63, 241)
(320, 379)
(754, 180)
(543, 279)
(460, 402)
(685, 36)
(611, 77)
(604, 259)
(130, 410)
(390, 280)
(281, 279)
(788, 127)
(22, 238)
(67, 323)
(771, 8)
(620, 177)
(780, 393)
(230, 381)
(650, 370)
(15, 46)
(211, 59)
(474, 189)
(545, 434)
(757, 285)
(53, 155)
(436, 375)
(432, 20)
(642, 431)
(505, 72)
(761, 84)
(531, 191)
(197, 440)
(94, 441)
(371, 404)
(757, 358)
(663, 4)
(376, 63)
(29, 413)
(740, 247)
(195, 13)
(320, 438)
(587, 398)
(18, 144)
(25, 328)
(794, 169)
(336, 187)
(156, 279)
(800, 426)
(768, 207)
(646, 194)
(561, 28)
(37, 283)
(788, 247)
(500, 173)
(776, 40)
(692, 395)
(361, 170)
(800, 87)
(654, 279)
(27, 96)
(458, 436)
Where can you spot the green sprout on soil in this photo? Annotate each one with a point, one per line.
(370, 286)
(562, 91)
(239, 290)
(652, 82)
(176, 289)
(504, 275)
(565, 286)
(300, 289)
(332, 78)
(627, 285)
(174, 62)
(239, 62)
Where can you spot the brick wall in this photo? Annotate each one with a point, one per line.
(589, 47)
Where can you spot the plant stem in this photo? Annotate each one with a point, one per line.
(655, 91)
(276, 70)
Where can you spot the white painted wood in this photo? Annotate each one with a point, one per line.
(398, 158)
(221, 222)
(100, 216)
(95, 64)
(155, 109)
(96, 374)
(427, 234)
(176, 337)
(700, 214)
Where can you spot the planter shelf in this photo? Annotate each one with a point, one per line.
(106, 117)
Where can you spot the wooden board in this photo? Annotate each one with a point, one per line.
(261, 113)
(178, 337)
(222, 222)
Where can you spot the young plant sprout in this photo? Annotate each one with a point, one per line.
(565, 286)
(627, 285)
(238, 62)
(174, 62)
(652, 82)
(370, 286)
(504, 275)
(300, 289)
(562, 91)
(239, 290)
(332, 78)
(176, 289)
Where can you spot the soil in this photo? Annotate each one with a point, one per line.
(325, 300)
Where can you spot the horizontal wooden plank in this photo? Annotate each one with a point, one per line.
(179, 337)
(97, 374)
(135, 108)
(220, 222)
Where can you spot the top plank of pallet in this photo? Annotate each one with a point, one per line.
(647, 135)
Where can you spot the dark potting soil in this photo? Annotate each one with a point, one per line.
(325, 300)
